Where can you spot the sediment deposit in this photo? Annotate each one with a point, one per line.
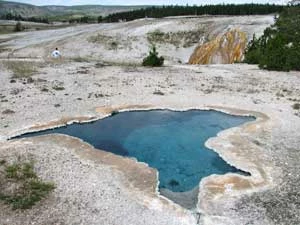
(224, 49)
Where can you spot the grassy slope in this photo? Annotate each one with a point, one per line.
(27, 10)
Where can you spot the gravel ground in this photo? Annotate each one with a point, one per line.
(86, 192)
(90, 192)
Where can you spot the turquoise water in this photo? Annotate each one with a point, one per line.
(170, 141)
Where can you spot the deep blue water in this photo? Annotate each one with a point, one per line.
(170, 141)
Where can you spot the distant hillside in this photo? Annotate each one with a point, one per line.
(90, 10)
(27, 10)
(294, 2)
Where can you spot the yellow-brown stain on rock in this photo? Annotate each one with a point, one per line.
(110, 109)
(224, 49)
(60, 122)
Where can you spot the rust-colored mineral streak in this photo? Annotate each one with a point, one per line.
(225, 49)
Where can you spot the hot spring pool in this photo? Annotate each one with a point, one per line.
(170, 141)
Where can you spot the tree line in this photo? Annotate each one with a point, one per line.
(10, 16)
(164, 11)
(83, 19)
(221, 9)
(279, 47)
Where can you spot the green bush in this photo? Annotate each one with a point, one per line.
(19, 27)
(279, 47)
(152, 59)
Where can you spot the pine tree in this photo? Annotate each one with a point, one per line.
(152, 59)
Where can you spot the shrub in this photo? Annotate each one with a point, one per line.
(19, 27)
(152, 59)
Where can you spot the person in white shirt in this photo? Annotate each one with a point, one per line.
(56, 53)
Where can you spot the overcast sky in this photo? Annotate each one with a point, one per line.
(138, 2)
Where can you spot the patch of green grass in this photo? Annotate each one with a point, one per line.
(21, 69)
(183, 39)
(80, 59)
(19, 171)
(4, 47)
(155, 33)
(20, 186)
(6, 29)
(110, 42)
(100, 38)
(12, 171)
(116, 63)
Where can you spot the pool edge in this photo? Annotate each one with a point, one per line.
(208, 192)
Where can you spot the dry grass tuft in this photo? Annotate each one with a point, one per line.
(22, 69)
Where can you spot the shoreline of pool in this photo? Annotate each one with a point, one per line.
(210, 187)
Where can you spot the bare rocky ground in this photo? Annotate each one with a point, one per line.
(93, 187)
(127, 43)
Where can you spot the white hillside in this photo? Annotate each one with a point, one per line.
(128, 42)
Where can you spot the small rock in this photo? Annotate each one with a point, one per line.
(8, 111)
(45, 89)
(158, 93)
(30, 80)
